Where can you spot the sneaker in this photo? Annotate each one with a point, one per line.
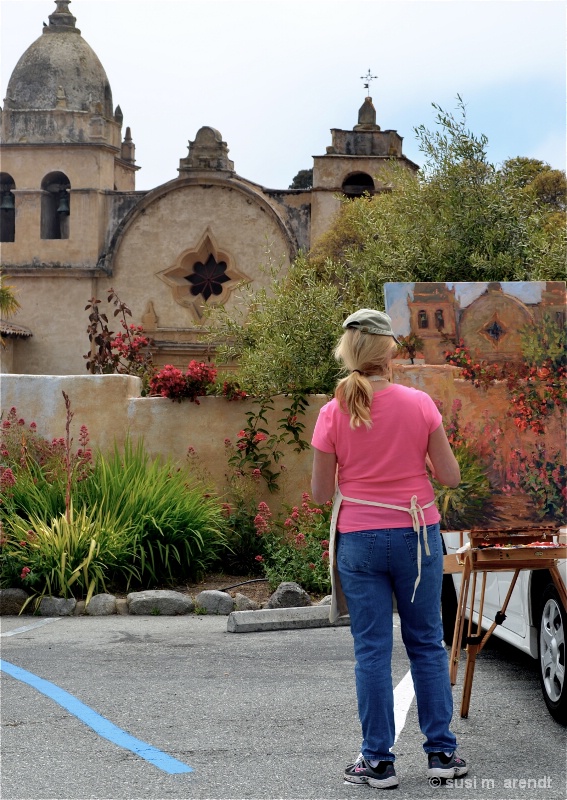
(441, 765)
(383, 776)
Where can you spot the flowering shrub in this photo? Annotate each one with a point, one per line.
(296, 548)
(194, 383)
(127, 352)
(71, 523)
(543, 476)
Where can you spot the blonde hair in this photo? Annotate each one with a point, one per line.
(362, 354)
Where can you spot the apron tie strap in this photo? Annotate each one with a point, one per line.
(416, 512)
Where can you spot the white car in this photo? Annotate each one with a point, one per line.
(536, 621)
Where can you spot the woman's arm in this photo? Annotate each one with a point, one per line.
(445, 467)
(323, 477)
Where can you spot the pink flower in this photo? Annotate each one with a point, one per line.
(25, 572)
(7, 477)
(288, 523)
(324, 543)
(325, 555)
(260, 437)
(258, 558)
(300, 539)
(33, 426)
(241, 434)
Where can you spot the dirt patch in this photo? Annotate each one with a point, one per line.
(254, 588)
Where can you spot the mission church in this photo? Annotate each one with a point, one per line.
(73, 224)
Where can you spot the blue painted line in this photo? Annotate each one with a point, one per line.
(99, 724)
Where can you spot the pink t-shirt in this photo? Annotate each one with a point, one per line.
(385, 463)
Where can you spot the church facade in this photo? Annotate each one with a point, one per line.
(73, 224)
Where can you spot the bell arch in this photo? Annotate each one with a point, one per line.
(55, 206)
(7, 208)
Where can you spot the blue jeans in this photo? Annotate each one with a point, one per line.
(372, 564)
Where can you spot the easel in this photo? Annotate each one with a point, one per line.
(497, 550)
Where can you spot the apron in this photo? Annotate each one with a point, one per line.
(339, 606)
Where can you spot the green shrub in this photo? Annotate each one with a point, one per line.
(71, 554)
(176, 526)
(463, 505)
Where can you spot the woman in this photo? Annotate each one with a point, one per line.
(372, 443)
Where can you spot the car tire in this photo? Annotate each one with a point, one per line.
(552, 630)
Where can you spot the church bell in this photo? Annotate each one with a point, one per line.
(63, 206)
(8, 202)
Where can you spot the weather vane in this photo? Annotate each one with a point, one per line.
(368, 77)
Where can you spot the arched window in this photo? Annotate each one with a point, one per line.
(439, 319)
(357, 184)
(422, 319)
(55, 206)
(7, 208)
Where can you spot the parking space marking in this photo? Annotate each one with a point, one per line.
(102, 726)
(403, 697)
(33, 625)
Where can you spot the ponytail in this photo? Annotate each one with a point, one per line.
(363, 354)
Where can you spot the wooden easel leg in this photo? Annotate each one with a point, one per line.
(459, 625)
(472, 650)
(476, 646)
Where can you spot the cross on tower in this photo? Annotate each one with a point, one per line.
(368, 77)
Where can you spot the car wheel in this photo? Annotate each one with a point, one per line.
(551, 649)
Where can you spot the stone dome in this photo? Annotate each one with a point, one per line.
(60, 70)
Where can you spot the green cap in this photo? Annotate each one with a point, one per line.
(368, 320)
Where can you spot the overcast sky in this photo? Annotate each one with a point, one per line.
(274, 76)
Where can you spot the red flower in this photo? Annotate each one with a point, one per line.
(25, 572)
(259, 558)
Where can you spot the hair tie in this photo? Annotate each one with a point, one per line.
(359, 372)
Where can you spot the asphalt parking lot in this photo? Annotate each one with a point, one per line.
(260, 716)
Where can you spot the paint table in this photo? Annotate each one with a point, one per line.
(497, 550)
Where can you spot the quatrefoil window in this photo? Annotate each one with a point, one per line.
(495, 331)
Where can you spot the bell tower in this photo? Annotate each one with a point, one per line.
(352, 166)
(62, 153)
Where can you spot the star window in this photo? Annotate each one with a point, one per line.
(207, 278)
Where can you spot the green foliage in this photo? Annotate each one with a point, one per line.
(283, 339)
(175, 527)
(463, 505)
(124, 520)
(67, 555)
(8, 303)
(545, 343)
(303, 179)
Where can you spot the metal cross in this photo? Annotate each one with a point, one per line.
(368, 77)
